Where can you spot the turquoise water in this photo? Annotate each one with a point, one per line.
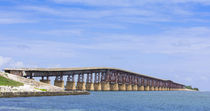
(112, 101)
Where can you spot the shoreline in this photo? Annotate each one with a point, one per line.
(38, 94)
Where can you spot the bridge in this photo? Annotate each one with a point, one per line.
(98, 79)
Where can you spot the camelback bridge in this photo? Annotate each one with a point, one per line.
(98, 79)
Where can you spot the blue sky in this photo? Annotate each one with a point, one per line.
(161, 38)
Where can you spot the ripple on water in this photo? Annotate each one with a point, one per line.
(113, 101)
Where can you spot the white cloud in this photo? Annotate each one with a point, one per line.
(4, 60)
(14, 21)
(62, 32)
(130, 3)
(9, 62)
(17, 64)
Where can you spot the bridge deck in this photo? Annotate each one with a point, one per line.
(77, 69)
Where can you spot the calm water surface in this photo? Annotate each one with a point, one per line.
(112, 101)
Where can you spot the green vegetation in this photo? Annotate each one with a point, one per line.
(8, 82)
(196, 89)
(190, 87)
(41, 89)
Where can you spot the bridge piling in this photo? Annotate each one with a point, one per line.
(122, 87)
(45, 80)
(70, 84)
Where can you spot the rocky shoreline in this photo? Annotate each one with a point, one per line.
(31, 88)
(32, 94)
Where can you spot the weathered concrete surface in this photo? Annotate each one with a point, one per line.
(59, 83)
(141, 88)
(147, 88)
(70, 86)
(97, 86)
(160, 89)
(134, 88)
(89, 86)
(81, 86)
(122, 87)
(29, 94)
(156, 88)
(105, 86)
(114, 87)
(152, 88)
(128, 87)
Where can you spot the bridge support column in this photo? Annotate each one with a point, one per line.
(164, 88)
(114, 87)
(128, 87)
(156, 88)
(122, 87)
(152, 88)
(81, 86)
(97, 86)
(89, 86)
(45, 81)
(141, 88)
(59, 83)
(105, 86)
(134, 87)
(147, 88)
(160, 89)
(70, 86)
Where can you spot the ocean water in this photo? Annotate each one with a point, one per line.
(113, 101)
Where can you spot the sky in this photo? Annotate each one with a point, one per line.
(167, 39)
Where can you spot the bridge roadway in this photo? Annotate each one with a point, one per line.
(98, 79)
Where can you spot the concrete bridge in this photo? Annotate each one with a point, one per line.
(98, 79)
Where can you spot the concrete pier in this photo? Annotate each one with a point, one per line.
(89, 86)
(159, 88)
(81, 86)
(114, 87)
(70, 86)
(97, 86)
(122, 87)
(105, 86)
(152, 88)
(128, 87)
(141, 88)
(134, 88)
(156, 88)
(59, 83)
(147, 88)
